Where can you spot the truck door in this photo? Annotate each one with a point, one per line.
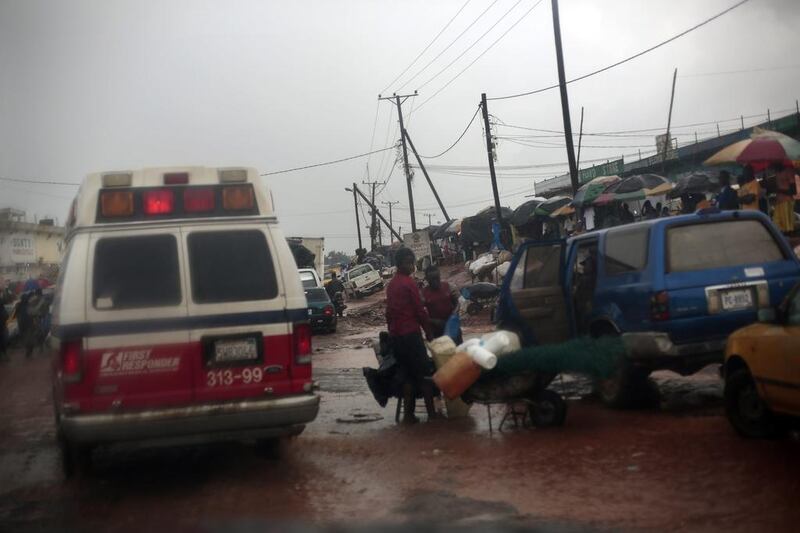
(532, 298)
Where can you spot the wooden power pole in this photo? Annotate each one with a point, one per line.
(399, 104)
(562, 84)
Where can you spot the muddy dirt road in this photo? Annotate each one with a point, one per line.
(676, 466)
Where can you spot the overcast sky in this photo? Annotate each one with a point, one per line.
(98, 85)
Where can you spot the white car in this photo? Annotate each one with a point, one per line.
(309, 278)
(362, 280)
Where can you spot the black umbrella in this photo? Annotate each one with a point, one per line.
(490, 211)
(547, 207)
(694, 183)
(637, 183)
(525, 212)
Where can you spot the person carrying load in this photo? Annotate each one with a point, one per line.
(405, 316)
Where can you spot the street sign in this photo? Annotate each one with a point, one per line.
(418, 242)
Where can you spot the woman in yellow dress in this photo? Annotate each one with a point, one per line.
(783, 214)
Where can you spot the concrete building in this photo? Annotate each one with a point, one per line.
(28, 250)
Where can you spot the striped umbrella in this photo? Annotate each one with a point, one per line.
(591, 190)
(634, 188)
(547, 207)
(763, 148)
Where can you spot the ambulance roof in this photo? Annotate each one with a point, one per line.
(85, 210)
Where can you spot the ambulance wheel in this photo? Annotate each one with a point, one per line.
(548, 410)
(76, 460)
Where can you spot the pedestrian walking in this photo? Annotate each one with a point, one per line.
(406, 317)
(727, 199)
(440, 301)
(749, 190)
(783, 213)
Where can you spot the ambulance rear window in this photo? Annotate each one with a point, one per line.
(136, 272)
(231, 266)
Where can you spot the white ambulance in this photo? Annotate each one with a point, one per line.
(179, 316)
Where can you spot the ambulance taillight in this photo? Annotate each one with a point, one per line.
(71, 361)
(158, 201)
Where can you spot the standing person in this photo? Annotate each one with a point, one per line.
(405, 316)
(35, 310)
(749, 189)
(440, 301)
(24, 322)
(626, 217)
(727, 199)
(783, 214)
(648, 211)
(334, 285)
(3, 329)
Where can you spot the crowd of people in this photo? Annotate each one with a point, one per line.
(753, 194)
(31, 313)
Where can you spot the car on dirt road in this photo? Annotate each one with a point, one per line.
(179, 316)
(362, 280)
(674, 288)
(762, 371)
(321, 311)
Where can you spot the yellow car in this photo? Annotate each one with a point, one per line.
(762, 371)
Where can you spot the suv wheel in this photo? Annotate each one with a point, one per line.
(627, 387)
(747, 412)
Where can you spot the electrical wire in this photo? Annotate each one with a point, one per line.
(627, 59)
(746, 71)
(448, 46)
(454, 78)
(427, 47)
(457, 140)
(476, 41)
(284, 171)
(372, 139)
(40, 182)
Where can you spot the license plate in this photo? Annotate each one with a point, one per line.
(737, 299)
(235, 350)
(310, 312)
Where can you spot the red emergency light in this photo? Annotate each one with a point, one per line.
(158, 202)
(198, 200)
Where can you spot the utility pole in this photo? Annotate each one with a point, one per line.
(668, 142)
(355, 204)
(399, 104)
(425, 173)
(373, 228)
(490, 153)
(372, 206)
(580, 139)
(562, 84)
(390, 204)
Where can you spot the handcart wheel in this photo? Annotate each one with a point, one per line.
(548, 409)
(473, 308)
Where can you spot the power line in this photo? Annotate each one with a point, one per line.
(457, 140)
(327, 162)
(427, 47)
(476, 41)
(745, 71)
(454, 78)
(40, 182)
(448, 46)
(627, 59)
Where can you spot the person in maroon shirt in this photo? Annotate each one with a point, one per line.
(440, 300)
(405, 316)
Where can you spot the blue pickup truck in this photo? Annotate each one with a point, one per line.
(674, 288)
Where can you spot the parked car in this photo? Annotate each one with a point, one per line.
(321, 311)
(762, 371)
(309, 278)
(362, 280)
(674, 288)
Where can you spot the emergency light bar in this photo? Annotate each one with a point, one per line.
(117, 179)
(141, 204)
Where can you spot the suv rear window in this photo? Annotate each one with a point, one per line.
(626, 250)
(720, 245)
(231, 266)
(316, 295)
(308, 280)
(136, 272)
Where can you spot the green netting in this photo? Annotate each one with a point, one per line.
(584, 355)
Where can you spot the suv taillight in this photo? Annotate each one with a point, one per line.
(302, 344)
(659, 306)
(71, 361)
(328, 311)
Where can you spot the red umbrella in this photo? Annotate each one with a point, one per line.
(763, 148)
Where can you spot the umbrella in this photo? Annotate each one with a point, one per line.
(490, 211)
(591, 190)
(694, 183)
(546, 208)
(563, 211)
(634, 188)
(524, 212)
(760, 150)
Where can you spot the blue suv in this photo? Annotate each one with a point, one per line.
(674, 288)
